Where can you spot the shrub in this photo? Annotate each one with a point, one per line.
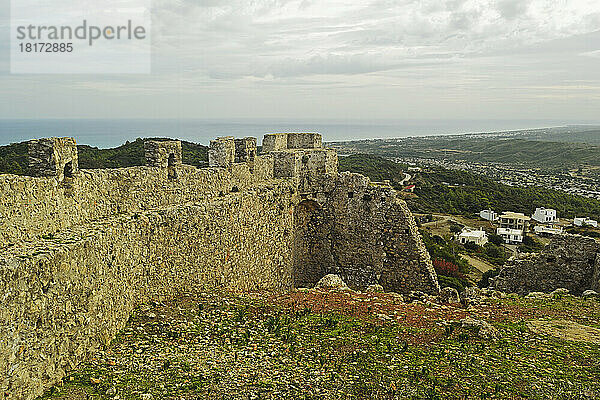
(495, 239)
(449, 281)
(455, 228)
(471, 246)
(446, 268)
(485, 279)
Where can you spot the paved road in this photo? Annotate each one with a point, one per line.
(407, 178)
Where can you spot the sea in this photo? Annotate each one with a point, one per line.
(106, 133)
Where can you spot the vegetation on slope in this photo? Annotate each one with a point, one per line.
(440, 190)
(13, 157)
(591, 136)
(469, 193)
(378, 169)
(515, 151)
(132, 154)
(340, 345)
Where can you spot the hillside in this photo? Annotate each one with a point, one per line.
(567, 134)
(533, 153)
(441, 190)
(378, 169)
(591, 137)
(318, 344)
(13, 157)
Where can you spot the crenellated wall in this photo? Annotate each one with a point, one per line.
(31, 207)
(63, 297)
(78, 251)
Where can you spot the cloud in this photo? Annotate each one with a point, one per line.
(233, 39)
(390, 51)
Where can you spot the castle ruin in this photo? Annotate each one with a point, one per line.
(79, 249)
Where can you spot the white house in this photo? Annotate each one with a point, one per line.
(510, 236)
(513, 220)
(585, 222)
(544, 215)
(469, 235)
(489, 215)
(547, 230)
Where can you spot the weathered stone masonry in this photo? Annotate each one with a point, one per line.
(80, 248)
(568, 261)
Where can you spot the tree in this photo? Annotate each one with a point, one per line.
(495, 239)
(455, 228)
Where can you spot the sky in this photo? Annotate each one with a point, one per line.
(371, 59)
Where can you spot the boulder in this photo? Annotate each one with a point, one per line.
(331, 281)
(560, 292)
(471, 295)
(416, 295)
(472, 292)
(536, 295)
(589, 294)
(449, 295)
(396, 296)
(483, 329)
(375, 289)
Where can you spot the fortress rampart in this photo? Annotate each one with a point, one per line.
(568, 261)
(79, 249)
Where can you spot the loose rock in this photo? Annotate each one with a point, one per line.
(375, 289)
(560, 292)
(483, 329)
(536, 295)
(331, 281)
(449, 295)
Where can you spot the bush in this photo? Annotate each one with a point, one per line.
(455, 228)
(449, 281)
(446, 268)
(447, 251)
(529, 245)
(485, 279)
(439, 240)
(496, 239)
(471, 246)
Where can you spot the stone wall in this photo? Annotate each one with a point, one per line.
(78, 253)
(363, 232)
(65, 296)
(53, 157)
(569, 261)
(33, 207)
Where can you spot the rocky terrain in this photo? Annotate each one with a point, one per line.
(331, 343)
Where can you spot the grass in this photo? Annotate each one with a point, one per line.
(332, 345)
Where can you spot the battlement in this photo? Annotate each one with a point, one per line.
(288, 141)
(300, 156)
(53, 157)
(87, 252)
(163, 154)
(226, 150)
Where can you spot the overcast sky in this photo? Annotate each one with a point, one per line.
(487, 59)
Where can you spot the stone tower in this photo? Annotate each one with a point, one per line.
(225, 151)
(301, 156)
(53, 157)
(164, 154)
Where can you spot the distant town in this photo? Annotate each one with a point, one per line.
(581, 181)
